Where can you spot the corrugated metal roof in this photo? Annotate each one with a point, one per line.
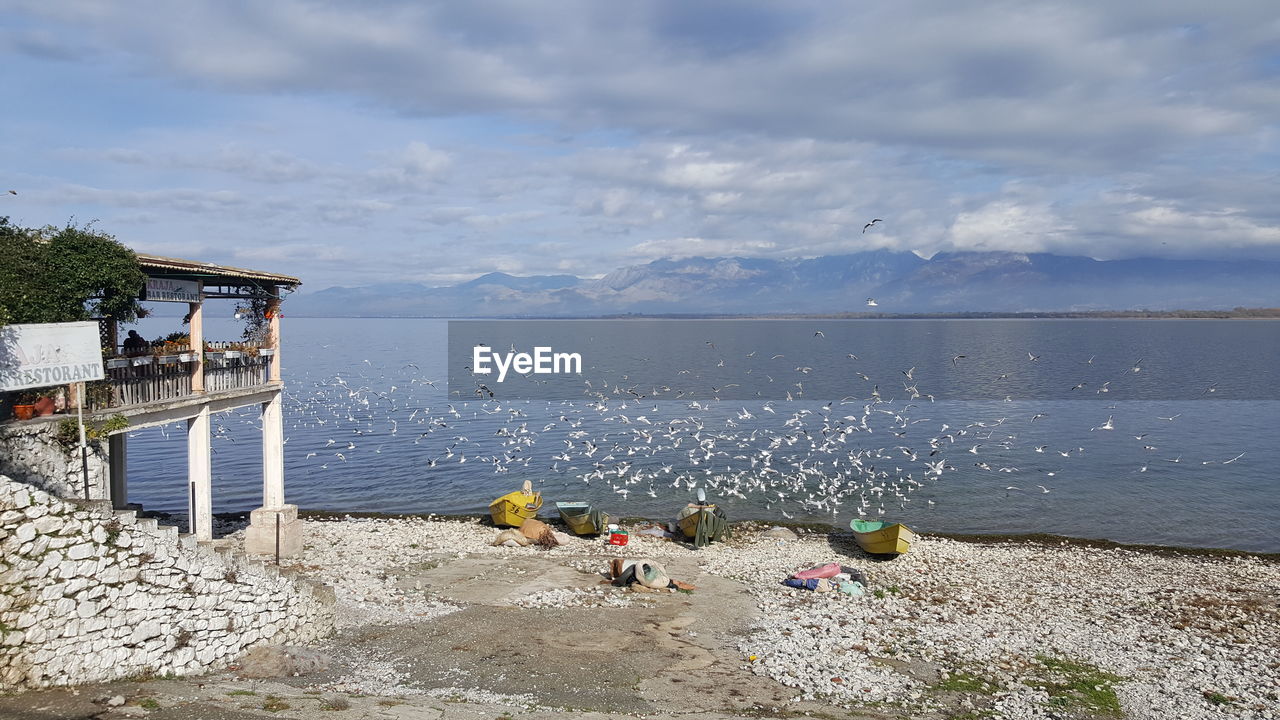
(195, 268)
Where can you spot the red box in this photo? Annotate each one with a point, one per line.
(618, 538)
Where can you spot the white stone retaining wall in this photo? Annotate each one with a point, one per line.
(29, 453)
(89, 595)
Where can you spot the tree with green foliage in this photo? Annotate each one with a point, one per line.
(66, 274)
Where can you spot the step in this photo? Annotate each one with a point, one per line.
(148, 524)
(187, 540)
(167, 532)
(126, 516)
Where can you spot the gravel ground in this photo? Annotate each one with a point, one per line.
(1016, 629)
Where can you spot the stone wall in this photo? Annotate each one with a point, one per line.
(88, 594)
(30, 454)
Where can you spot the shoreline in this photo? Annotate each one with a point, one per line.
(1043, 539)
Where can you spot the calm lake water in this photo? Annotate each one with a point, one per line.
(1149, 431)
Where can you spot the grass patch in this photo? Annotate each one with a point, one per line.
(274, 704)
(1217, 698)
(1080, 685)
(966, 683)
(149, 703)
(235, 693)
(335, 703)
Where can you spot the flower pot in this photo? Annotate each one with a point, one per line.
(43, 406)
(214, 355)
(117, 362)
(145, 360)
(234, 354)
(266, 352)
(167, 359)
(24, 412)
(187, 357)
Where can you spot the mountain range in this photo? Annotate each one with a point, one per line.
(900, 282)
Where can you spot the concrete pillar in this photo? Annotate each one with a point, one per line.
(273, 319)
(196, 333)
(118, 452)
(274, 526)
(200, 475)
(273, 451)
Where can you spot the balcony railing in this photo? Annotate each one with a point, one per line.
(157, 378)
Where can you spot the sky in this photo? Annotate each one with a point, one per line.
(367, 142)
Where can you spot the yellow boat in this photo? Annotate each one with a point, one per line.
(881, 538)
(516, 507)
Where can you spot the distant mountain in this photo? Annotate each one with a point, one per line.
(901, 282)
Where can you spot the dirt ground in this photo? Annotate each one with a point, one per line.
(665, 654)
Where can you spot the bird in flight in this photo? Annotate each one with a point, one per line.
(954, 358)
(873, 222)
(15, 192)
(819, 334)
(871, 302)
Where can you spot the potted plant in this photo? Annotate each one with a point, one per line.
(117, 362)
(44, 404)
(24, 407)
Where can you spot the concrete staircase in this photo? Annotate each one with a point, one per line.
(223, 550)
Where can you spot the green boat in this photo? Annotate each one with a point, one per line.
(583, 519)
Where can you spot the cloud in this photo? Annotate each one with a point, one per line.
(573, 136)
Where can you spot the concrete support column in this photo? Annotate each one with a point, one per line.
(196, 333)
(274, 527)
(200, 475)
(118, 451)
(273, 452)
(273, 320)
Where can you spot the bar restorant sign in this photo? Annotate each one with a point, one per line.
(45, 354)
(168, 290)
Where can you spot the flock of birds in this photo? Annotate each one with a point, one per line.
(880, 449)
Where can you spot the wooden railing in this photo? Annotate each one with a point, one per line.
(157, 378)
(235, 372)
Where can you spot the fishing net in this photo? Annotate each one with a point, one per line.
(713, 526)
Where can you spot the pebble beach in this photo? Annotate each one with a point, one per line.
(1016, 629)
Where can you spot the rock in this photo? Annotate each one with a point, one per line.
(780, 533)
(507, 537)
(115, 701)
(270, 661)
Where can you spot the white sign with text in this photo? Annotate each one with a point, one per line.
(167, 290)
(45, 354)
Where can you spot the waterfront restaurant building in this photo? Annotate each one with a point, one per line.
(187, 380)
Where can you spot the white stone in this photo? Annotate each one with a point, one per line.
(25, 533)
(48, 525)
(143, 632)
(81, 551)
